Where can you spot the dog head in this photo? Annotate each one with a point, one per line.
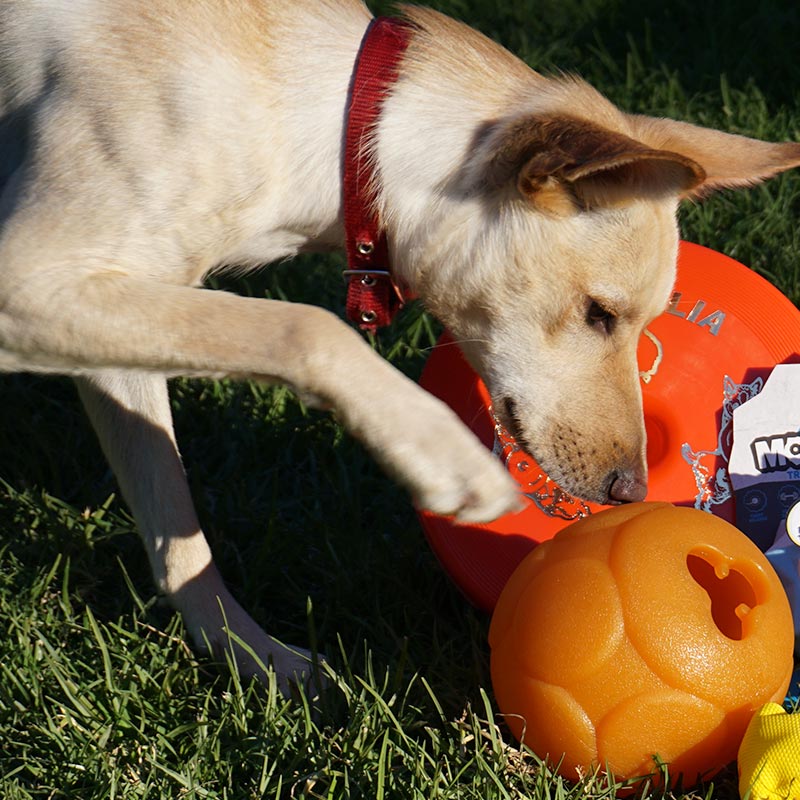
(552, 247)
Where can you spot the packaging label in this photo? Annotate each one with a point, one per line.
(793, 523)
(764, 465)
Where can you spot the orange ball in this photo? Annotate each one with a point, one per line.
(645, 630)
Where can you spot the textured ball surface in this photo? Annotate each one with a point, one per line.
(639, 631)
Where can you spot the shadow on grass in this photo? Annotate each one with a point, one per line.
(293, 509)
(596, 38)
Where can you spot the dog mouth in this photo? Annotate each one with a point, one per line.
(536, 484)
(509, 420)
(512, 424)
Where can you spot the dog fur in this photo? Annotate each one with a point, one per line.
(145, 144)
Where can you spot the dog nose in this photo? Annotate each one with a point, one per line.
(627, 488)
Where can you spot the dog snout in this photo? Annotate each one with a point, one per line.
(590, 464)
(627, 487)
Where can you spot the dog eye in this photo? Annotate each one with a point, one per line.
(599, 317)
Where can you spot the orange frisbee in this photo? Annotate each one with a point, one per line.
(725, 329)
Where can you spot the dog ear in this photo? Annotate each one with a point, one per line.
(728, 160)
(562, 164)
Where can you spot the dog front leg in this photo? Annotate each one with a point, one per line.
(128, 334)
(110, 319)
(131, 415)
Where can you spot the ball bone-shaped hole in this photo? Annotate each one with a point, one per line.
(733, 594)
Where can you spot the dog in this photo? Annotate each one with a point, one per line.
(146, 144)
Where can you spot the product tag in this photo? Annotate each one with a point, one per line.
(764, 466)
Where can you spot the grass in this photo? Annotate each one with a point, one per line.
(99, 695)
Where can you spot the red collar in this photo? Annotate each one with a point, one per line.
(372, 296)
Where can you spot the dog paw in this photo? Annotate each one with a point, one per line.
(478, 489)
(445, 466)
(219, 626)
(293, 666)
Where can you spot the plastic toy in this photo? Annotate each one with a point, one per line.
(769, 758)
(645, 630)
(727, 327)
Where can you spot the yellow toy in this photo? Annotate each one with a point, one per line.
(769, 756)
